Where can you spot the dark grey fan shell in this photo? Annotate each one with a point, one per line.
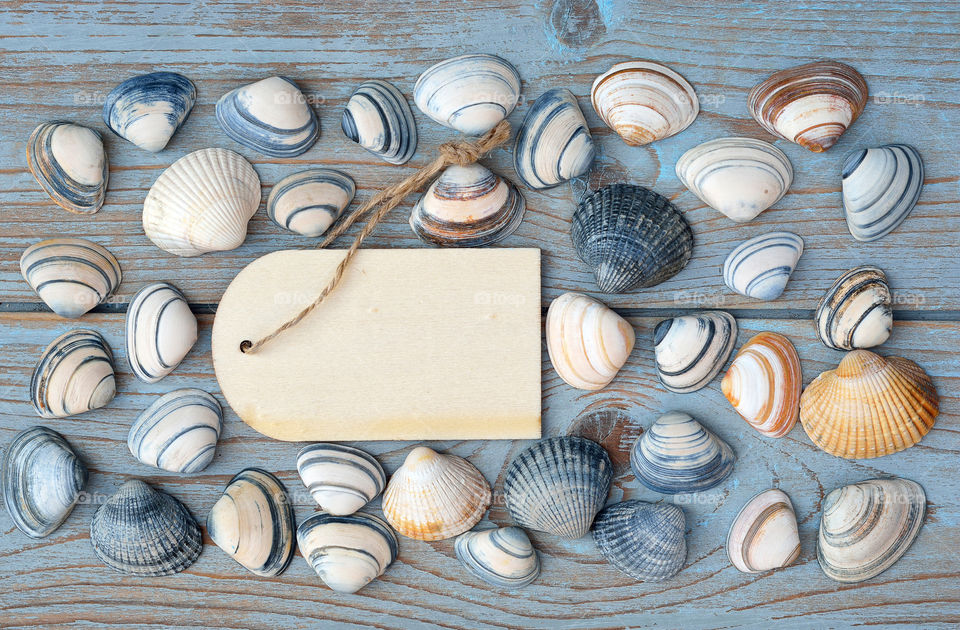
(644, 540)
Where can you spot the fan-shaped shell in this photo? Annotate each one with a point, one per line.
(271, 116)
(869, 406)
(74, 375)
(554, 142)
(310, 201)
(856, 311)
(763, 384)
(691, 349)
(644, 540)
(161, 330)
(880, 188)
(202, 203)
(760, 267)
(341, 479)
(347, 552)
(378, 118)
(502, 557)
(178, 431)
(71, 275)
(70, 164)
(764, 534)
(631, 237)
(149, 108)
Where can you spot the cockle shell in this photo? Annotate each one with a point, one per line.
(764, 534)
(74, 375)
(856, 311)
(202, 203)
(70, 164)
(631, 237)
(763, 384)
(866, 527)
(378, 118)
(554, 143)
(880, 188)
(811, 105)
(644, 540)
(42, 479)
(644, 101)
(869, 406)
(253, 522)
(149, 108)
(691, 349)
(558, 485)
(310, 201)
(145, 532)
(347, 552)
(469, 93)
(434, 496)
(178, 431)
(71, 275)
(161, 330)
(502, 557)
(760, 267)
(341, 479)
(271, 116)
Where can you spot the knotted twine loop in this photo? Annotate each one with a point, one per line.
(459, 153)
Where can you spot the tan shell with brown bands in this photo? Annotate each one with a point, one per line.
(763, 384)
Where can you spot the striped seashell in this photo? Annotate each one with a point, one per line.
(554, 143)
(691, 349)
(347, 552)
(644, 101)
(42, 478)
(866, 527)
(73, 376)
(880, 188)
(378, 118)
(856, 311)
(470, 93)
(253, 522)
(341, 479)
(178, 431)
(811, 105)
(502, 557)
(760, 267)
(869, 406)
(643, 540)
(149, 108)
(271, 116)
(310, 201)
(70, 164)
(70, 275)
(161, 330)
(763, 384)
(764, 534)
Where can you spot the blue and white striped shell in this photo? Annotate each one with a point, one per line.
(310, 201)
(70, 275)
(271, 116)
(341, 479)
(857, 311)
(73, 376)
(690, 350)
(760, 267)
(149, 108)
(161, 330)
(880, 188)
(554, 143)
(347, 552)
(178, 431)
(502, 557)
(644, 540)
(70, 164)
(378, 118)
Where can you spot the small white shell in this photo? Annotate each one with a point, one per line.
(378, 118)
(554, 142)
(880, 188)
(760, 267)
(691, 349)
(161, 330)
(764, 534)
(310, 201)
(74, 375)
(71, 275)
(341, 479)
(178, 431)
(856, 311)
(149, 108)
(502, 557)
(347, 552)
(271, 116)
(70, 165)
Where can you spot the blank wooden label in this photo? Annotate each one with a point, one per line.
(415, 344)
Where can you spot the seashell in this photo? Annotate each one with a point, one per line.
(502, 557)
(469, 93)
(42, 480)
(347, 552)
(558, 485)
(341, 479)
(434, 496)
(554, 143)
(74, 375)
(740, 177)
(468, 206)
(378, 118)
(880, 188)
(760, 267)
(856, 311)
(587, 342)
(271, 116)
(253, 522)
(70, 164)
(631, 237)
(763, 384)
(149, 108)
(870, 406)
(691, 349)
(145, 532)
(70, 275)
(644, 540)
(178, 431)
(310, 201)
(866, 527)
(678, 455)
(811, 105)
(644, 101)
(764, 534)
(202, 203)
(161, 330)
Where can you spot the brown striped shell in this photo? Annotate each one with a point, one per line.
(763, 384)
(764, 534)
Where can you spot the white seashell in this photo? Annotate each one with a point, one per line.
(161, 330)
(554, 143)
(271, 116)
(764, 534)
(347, 552)
(178, 431)
(149, 108)
(880, 188)
(690, 350)
(760, 267)
(71, 275)
(70, 164)
(763, 384)
(74, 375)
(341, 479)
(502, 557)
(378, 118)
(310, 201)
(856, 311)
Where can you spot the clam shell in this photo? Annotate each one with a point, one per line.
(70, 164)
(74, 375)
(310, 201)
(271, 116)
(866, 527)
(202, 203)
(869, 406)
(691, 349)
(502, 557)
(434, 496)
(880, 188)
(631, 237)
(763, 384)
(347, 552)
(178, 431)
(70, 275)
(811, 105)
(856, 311)
(764, 534)
(469, 93)
(341, 479)
(161, 330)
(378, 118)
(644, 101)
(42, 480)
(587, 342)
(149, 108)
(760, 267)
(253, 522)
(554, 143)
(558, 485)
(644, 540)
(145, 532)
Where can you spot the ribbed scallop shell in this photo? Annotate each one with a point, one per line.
(178, 431)
(341, 479)
(149, 108)
(310, 201)
(760, 267)
(644, 540)
(161, 329)
(70, 164)
(870, 406)
(502, 557)
(434, 496)
(73, 376)
(202, 203)
(378, 118)
(271, 116)
(763, 384)
(880, 188)
(764, 534)
(70, 275)
(631, 237)
(856, 311)
(558, 485)
(554, 143)
(347, 552)
(692, 349)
